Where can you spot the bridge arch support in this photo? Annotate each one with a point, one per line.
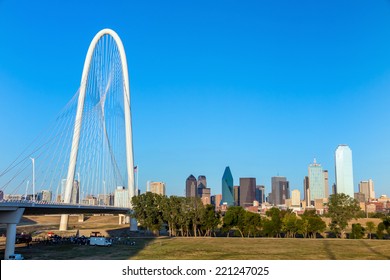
(79, 118)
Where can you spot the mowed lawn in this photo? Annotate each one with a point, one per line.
(265, 248)
(215, 249)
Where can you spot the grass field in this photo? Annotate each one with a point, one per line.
(216, 249)
(164, 248)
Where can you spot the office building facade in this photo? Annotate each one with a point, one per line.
(344, 170)
(316, 181)
(191, 186)
(367, 187)
(247, 191)
(280, 190)
(157, 187)
(227, 188)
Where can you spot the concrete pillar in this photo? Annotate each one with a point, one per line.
(133, 224)
(11, 238)
(64, 222)
(81, 218)
(10, 217)
(121, 219)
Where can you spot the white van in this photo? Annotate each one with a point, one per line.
(99, 241)
(16, 257)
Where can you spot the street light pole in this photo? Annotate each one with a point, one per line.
(33, 180)
(79, 190)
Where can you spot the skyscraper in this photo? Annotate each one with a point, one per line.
(236, 195)
(191, 186)
(227, 187)
(367, 187)
(201, 185)
(326, 184)
(280, 190)
(205, 196)
(216, 201)
(316, 181)
(202, 182)
(306, 191)
(344, 170)
(295, 198)
(157, 187)
(121, 197)
(260, 194)
(247, 191)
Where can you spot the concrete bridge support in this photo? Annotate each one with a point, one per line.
(81, 218)
(133, 224)
(122, 219)
(10, 217)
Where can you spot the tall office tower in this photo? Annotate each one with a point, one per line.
(344, 171)
(46, 195)
(202, 182)
(191, 186)
(326, 183)
(260, 194)
(367, 187)
(104, 199)
(205, 196)
(306, 191)
(316, 181)
(75, 192)
(280, 190)
(371, 188)
(227, 188)
(157, 188)
(236, 195)
(216, 201)
(295, 198)
(334, 188)
(1, 195)
(247, 191)
(121, 197)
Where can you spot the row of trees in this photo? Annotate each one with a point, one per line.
(183, 216)
(189, 217)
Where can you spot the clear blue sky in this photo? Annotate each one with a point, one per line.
(260, 86)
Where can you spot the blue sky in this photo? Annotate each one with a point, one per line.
(260, 86)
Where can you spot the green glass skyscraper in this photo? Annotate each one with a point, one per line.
(227, 188)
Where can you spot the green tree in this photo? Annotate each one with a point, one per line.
(252, 224)
(357, 231)
(290, 224)
(311, 224)
(341, 209)
(380, 229)
(370, 226)
(211, 219)
(386, 223)
(234, 218)
(147, 209)
(272, 226)
(171, 210)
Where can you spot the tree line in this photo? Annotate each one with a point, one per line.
(187, 216)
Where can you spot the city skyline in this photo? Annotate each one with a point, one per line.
(265, 78)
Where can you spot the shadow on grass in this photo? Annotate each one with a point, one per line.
(328, 250)
(125, 245)
(365, 244)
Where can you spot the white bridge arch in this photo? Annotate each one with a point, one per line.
(79, 118)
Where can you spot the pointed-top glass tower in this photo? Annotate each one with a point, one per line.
(227, 187)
